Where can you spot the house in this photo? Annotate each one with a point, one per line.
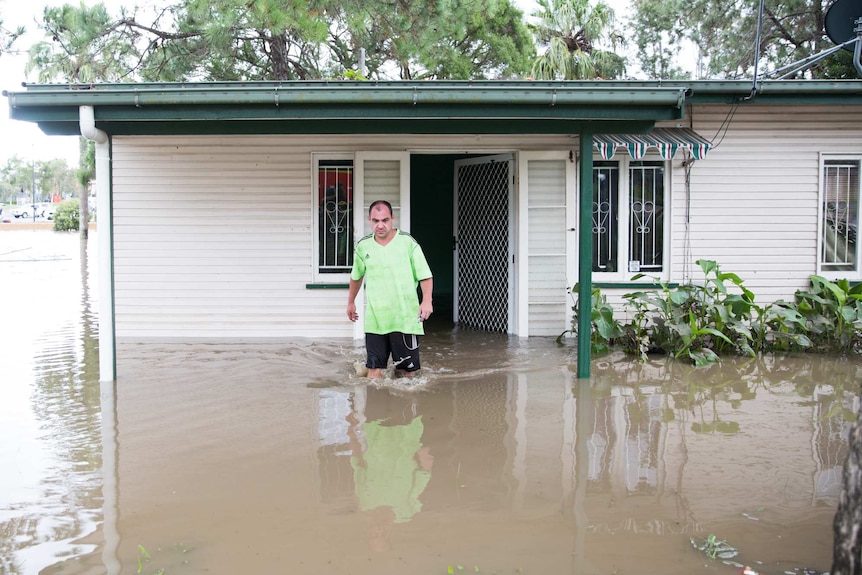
(228, 210)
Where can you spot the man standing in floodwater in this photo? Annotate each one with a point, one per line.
(392, 264)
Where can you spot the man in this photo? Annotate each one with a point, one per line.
(392, 265)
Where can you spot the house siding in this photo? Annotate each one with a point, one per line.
(753, 204)
(213, 235)
(754, 201)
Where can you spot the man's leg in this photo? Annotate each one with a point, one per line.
(405, 354)
(378, 349)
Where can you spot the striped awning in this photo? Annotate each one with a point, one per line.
(666, 140)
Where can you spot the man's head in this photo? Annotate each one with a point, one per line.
(380, 218)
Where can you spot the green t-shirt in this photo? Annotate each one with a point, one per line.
(392, 273)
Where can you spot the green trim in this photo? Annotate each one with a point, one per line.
(493, 107)
(327, 286)
(350, 126)
(402, 107)
(585, 249)
(630, 285)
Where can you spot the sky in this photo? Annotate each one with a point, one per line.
(24, 139)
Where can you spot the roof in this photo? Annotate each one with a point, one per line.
(338, 107)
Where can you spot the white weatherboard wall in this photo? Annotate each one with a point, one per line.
(753, 205)
(213, 235)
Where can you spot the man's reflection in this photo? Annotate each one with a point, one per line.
(391, 467)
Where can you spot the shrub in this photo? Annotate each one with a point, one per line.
(833, 314)
(604, 328)
(703, 321)
(66, 217)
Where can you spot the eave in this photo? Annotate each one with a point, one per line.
(348, 107)
(323, 107)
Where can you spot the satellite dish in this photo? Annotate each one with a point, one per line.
(840, 21)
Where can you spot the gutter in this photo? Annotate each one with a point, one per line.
(355, 93)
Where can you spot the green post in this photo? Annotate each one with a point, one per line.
(585, 254)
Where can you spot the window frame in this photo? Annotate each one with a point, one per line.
(624, 162)
(318, 276)
(824, 157)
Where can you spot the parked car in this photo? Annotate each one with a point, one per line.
(29, 210)
(49, 211)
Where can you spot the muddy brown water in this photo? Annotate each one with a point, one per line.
(277, 458)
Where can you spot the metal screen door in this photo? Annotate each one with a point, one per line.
(483, 243)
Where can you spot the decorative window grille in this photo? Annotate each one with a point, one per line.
(840, 213)
(606, 181)
(635, 237)
(646, 220)
(335, 215)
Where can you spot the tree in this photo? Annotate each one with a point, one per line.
(725, 33)
(658, 41)
(222, 40)
(8, 37)
(87, 44)
(571, 32)
(445, 39)
(40, 179)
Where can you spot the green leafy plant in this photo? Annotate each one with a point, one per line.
(604, 328)
(702, 321)
(695, 320)
(66, 216)
(714, 548)
(833, 314)
(779, 326)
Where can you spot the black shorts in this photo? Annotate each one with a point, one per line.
(403, 347)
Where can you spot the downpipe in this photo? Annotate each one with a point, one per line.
(87, 120)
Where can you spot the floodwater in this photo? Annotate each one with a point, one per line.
(277, 458)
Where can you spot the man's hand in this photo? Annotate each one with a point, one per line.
(425, 310)
(351, 312)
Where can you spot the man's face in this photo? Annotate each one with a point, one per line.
(381, 222)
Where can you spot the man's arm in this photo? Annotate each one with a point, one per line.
(426, 308)
(352, 315)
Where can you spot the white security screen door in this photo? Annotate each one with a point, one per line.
(484, 243)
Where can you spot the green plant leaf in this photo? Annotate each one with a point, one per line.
(713, 332)
(703, 357)
(708, 266)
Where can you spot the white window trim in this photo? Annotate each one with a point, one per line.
(852, 275)
(316, 157)
(625, 276)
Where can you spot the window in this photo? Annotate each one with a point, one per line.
(839, 250)
(629, 216)
(334, 217)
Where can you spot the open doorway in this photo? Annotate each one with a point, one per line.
(471, 256)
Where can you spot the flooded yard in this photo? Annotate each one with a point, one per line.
(276, 457)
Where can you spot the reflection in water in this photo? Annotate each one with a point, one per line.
(50, 489)
(274, 457)
(391, 468)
